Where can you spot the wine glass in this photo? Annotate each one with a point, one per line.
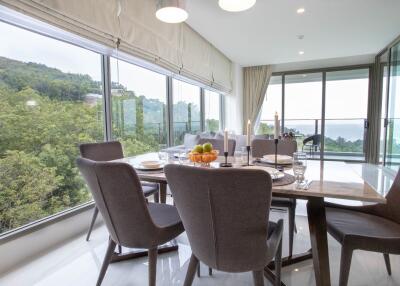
(299, 166)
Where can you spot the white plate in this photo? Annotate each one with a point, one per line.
(281, 159)
(151, 164)
(275, 174)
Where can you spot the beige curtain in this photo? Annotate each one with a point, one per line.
(256, 80)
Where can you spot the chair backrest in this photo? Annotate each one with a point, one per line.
(190, 140)
(225, 213)
(315, 139)
(391, 209)
(119, 197)
(218, 144)
(104, 151)
(261, 147)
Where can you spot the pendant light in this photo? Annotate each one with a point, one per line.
(171, 11)
(236, 5)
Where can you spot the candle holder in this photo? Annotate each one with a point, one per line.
(225, 164)
(248, 155)
(276, 153)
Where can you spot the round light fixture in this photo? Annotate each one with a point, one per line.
(301, 53)
(301, 10)
(236, 5)
(171, 11)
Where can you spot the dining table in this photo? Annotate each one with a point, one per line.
(352, 183)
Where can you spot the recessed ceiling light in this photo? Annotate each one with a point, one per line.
(301, 10)
(236, 5)
(301, 53)
(171, 11)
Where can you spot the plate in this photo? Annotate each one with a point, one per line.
(275, 174)
(149, 166)
(281, 159)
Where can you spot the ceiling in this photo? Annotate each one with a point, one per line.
(268, 32)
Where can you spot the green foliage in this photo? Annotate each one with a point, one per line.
(212, 125)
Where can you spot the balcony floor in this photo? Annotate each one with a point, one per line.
(77, 263)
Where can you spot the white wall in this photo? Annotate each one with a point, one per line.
(21, 250)
(234, 102)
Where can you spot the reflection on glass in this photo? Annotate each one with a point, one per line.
(345, 114)
(393, 128)
(50, 101)
(186, 109)
(138, 108)
(272, 104)
(212, 111)
(303, 105)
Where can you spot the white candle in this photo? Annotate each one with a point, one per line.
(276, 126)
(226, 140)
(248, 132)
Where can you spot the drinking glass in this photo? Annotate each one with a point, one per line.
(299, 165)
(163, 156)
(244, 155)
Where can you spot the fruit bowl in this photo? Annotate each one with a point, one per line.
(204, 158)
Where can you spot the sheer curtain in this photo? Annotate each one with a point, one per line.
(256, 80)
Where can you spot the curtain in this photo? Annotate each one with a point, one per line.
(256, 80)
(374, 115)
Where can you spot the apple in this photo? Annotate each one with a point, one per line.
(198, 149)
(207, 147)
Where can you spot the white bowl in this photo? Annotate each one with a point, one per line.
(151, 164)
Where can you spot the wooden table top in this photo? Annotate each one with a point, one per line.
(361, 182)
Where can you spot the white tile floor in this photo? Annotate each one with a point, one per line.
(78, 262)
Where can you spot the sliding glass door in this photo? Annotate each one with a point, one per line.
(393, 111)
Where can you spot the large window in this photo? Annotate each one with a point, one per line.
(272, 104)
(346, 114)
(186, 109)
(139, 113)
(339, 131)
(212, 111)
(303, 105)
(50, 102)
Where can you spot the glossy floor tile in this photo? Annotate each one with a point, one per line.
(78, 262)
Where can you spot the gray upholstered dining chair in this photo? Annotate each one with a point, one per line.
(225, 213)
(373, 227)
(108, 151)
(218, 144)
(130, 220)
(261, 147)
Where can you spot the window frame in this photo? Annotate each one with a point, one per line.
(105, 53)
(324, 71)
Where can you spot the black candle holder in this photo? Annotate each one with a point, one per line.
(248, 155)
(276, 153)
(225, 164)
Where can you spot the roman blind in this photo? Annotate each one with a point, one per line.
(132, 23)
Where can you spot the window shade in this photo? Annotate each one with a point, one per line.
(176, 47)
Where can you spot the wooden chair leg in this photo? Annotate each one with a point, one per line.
(106, 261)
(258, 278)
(119, 249)
(387, 262)
(278, 264)
(153, 266)
(95, 213)
(191, 272)
(292, 217)
(345, 263)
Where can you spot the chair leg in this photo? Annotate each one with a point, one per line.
(295, 227)
(210, 271)
(95, 213)
(387, 262)
(119, 249)
(292, 216)
(258, 278)
(193, 265)
(198, 270)
(278, 264)
(156, 198)
(106, 261)
(153, 266)
(345, 263)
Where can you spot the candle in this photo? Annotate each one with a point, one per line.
(226, 140)
(248, 132)
(276, 126)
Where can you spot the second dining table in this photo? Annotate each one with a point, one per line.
(329, 179)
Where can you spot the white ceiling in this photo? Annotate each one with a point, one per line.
(267, 33)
